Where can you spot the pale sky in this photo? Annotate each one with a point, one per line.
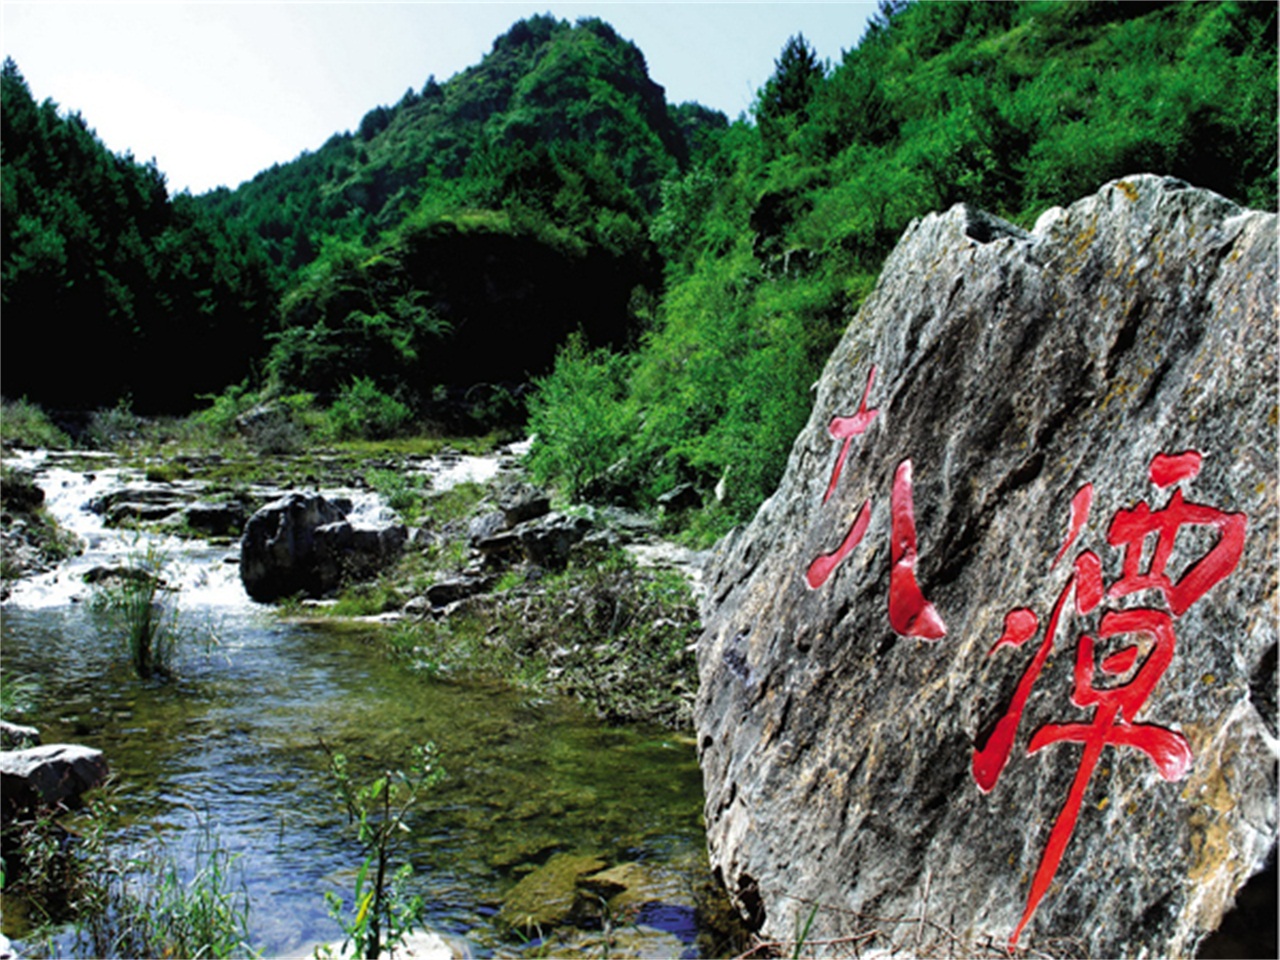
(216, 92)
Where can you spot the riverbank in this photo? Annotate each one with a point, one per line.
(497, 578)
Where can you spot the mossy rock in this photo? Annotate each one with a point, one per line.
(549, 897)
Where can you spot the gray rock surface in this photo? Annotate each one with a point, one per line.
(548, 540)
(1041, 403)
(303, 544)
(49, 774)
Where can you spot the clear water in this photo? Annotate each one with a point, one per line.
(232, 746)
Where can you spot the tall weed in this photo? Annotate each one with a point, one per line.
(141, 612)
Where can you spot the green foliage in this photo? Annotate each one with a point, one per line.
(579, 417)
(21, 499)
(17, 696)
(354, 314)
(783, 103)
(205, 914)
(615, 636)
(362, 410)
(95, 255)
(403, 491)
(455, 238)
(144, 905)
(114, 428)
(25, 424)
(776, 235)
(382, 913)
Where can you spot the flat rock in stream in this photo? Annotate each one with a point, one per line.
(550, 896)
(997, 660)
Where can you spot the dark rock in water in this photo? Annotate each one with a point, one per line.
(997, 660)
(278, 550)
(128, 511)
(152, 494)
(53, 773)
(215, 519)
(303, 544)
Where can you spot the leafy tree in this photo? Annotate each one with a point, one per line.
(97, 258)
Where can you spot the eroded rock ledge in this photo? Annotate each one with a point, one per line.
(1007, 420)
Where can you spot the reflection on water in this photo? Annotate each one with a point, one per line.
(233, 743)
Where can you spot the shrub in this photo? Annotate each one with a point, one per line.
(362, 410)
(25, 424)
(118, 905)
(226, 408)
(384, 915)
(114, 428)
(134, 601)
(580, 417)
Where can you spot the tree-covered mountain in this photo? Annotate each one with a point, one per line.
(463, 234)
(772, 239)
(110, 288)
(557, 121)
(459, 236)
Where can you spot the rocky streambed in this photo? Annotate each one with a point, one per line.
(535, 780)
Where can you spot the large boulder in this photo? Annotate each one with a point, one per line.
(996, 663)
(304, 544)
(56, 773)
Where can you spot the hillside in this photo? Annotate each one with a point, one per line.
(431, 263)
(555, 118)
(162, 299)
(458, 237)
(772, 242)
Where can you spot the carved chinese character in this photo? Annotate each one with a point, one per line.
(910, 614)
(1116, 703)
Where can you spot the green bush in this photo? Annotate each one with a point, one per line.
(580, 417)
(225, 409)
(361, 410)
(134, 600)
(25, 424)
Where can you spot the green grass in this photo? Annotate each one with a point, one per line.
(25, 424)
(140, 614)
(87, 898)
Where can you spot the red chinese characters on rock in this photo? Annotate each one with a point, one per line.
(1116, 703)
(910, 614)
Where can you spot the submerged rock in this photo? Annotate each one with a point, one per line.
(947, 695)
(549, 897)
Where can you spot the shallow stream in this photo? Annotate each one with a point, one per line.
(232, 747)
